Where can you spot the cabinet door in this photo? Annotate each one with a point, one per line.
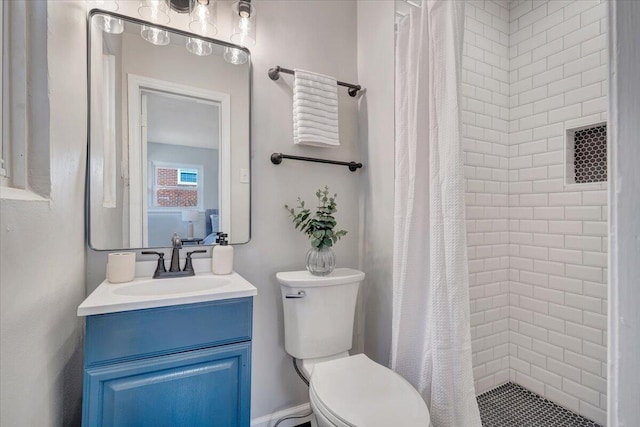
(208, 387)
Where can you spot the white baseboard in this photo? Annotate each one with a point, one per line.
(270, 420)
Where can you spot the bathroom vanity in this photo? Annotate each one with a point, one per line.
(174, 352)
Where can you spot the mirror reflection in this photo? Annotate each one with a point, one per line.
(169, 140)
(183, 145)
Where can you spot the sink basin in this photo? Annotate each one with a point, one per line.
(172, 286)
(145, 292)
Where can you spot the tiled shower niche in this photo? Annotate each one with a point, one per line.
(586, 151)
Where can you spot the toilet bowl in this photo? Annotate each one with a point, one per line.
(355, 391)
(344, 391)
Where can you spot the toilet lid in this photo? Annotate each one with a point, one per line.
(362, 393)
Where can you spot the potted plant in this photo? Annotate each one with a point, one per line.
(320, 228)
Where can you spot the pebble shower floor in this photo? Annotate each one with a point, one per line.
(511, 405)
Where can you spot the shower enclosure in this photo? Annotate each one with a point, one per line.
(534, 125)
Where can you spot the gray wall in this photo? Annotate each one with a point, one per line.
(325, 42)
(376, 73)
(42, 267)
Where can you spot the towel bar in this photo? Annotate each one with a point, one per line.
(276, 159)
(274, 74)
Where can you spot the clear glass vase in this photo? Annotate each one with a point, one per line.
(321, 262)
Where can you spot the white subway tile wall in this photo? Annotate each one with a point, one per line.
(557, 245)
(537, 247)
(485, 123)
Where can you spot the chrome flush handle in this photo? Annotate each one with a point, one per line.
(300, 294)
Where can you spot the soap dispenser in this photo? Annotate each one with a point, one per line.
(222, 256)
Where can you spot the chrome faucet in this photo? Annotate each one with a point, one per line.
(174, 270)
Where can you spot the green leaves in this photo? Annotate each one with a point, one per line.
(319, 226)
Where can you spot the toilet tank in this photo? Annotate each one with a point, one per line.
(319, 311)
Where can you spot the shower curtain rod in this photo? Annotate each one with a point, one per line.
(274, 74)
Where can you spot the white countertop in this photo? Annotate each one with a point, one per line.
(140, 294)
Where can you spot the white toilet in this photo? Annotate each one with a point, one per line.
(345, 391)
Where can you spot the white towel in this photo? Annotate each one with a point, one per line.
(328, 114)
(319, 120)
(318, 85)
(306, 96)
(315, 110)
(315, 77)
(316, 126)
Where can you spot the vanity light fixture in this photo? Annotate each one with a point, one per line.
(243, 31)
(202, 17)
(243, 23)
(155, 11)
(106, 23)
(202, 21)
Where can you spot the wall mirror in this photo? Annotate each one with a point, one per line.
(169, 140)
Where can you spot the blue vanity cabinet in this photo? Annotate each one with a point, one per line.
(185, 365)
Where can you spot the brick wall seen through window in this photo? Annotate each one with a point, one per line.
(170, 193)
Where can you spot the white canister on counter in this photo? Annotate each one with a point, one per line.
(121, 267)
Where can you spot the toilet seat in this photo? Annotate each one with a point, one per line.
(357, 392)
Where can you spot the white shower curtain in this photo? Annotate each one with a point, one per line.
(431, 339)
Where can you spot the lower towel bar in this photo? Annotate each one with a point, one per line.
(276, 159)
